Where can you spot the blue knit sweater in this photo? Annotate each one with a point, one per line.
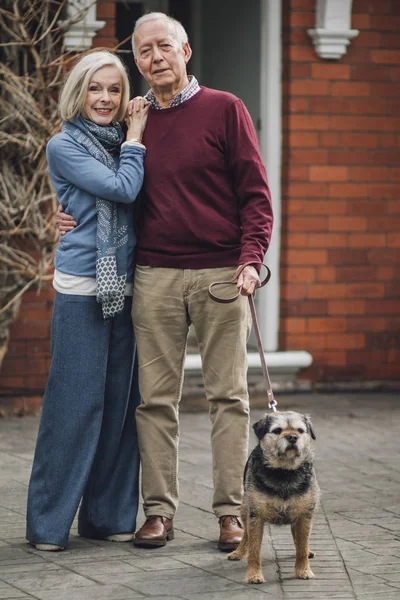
(78, 178)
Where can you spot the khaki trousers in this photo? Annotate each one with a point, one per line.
(166, 302)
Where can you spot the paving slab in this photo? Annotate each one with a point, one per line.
(45, 580)
(98, 592)
(9, 591)
(356, 532)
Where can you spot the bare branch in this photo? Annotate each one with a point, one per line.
(31, 74)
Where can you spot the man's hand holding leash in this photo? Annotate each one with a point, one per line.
(248, 280)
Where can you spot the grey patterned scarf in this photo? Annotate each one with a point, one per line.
(112, 219)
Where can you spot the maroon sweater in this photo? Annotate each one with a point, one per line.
(206, 201)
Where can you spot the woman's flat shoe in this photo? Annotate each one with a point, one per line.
(120, 537)
(49, 547)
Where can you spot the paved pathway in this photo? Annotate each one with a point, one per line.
(356, 534)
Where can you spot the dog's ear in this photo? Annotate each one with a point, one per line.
(262, 426)
(310, 429)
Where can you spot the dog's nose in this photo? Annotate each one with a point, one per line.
(292, 439)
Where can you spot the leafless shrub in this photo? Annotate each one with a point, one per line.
(32, 68)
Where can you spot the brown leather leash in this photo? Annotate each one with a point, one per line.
(272, 403)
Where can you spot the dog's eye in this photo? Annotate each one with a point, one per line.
(277, 431)
(300, 430)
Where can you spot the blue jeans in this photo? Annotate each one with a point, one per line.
(87, 443)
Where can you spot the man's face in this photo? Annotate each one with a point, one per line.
(160, 58)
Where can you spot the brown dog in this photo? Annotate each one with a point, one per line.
(280, 487)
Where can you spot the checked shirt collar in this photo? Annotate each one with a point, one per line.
(190, 90)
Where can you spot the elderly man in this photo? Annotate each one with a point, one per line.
(206, 210)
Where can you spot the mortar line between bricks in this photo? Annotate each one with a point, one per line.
(383, 463)
(338, 550)
(69, 567)
(362, 547)
(20, 483)
(239, 583)
(281, 597)
(131, 590)
(278, 565)
(396, 536)
(391, 512)
(378, 576)
(209, 512)
(71, 570)
(15, 512)
(355, 521)
(194, 535)
(17, 456)
(338, 553)
(18, 589)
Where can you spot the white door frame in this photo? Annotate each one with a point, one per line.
(268, 298)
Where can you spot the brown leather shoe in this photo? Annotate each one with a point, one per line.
(231, 532)
(155, 532)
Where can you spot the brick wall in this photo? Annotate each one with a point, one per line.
(106, 36)
(25, 366)
(341, 210)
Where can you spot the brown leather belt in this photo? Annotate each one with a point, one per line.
(272, 403)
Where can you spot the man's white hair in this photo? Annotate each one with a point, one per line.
(177, 29)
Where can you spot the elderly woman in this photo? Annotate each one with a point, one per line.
(87, 446)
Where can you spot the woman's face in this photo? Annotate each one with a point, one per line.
(104, 95)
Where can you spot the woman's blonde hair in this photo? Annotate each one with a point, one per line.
(73, 95)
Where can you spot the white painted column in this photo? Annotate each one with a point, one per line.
(271, 149)
(79, 35)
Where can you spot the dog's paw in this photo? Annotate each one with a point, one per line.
(311, 554)
(235, 555)
(254, 578)
(304, 573)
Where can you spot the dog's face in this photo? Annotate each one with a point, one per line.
(285, 439)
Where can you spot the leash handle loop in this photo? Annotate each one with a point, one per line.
(213, 287)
